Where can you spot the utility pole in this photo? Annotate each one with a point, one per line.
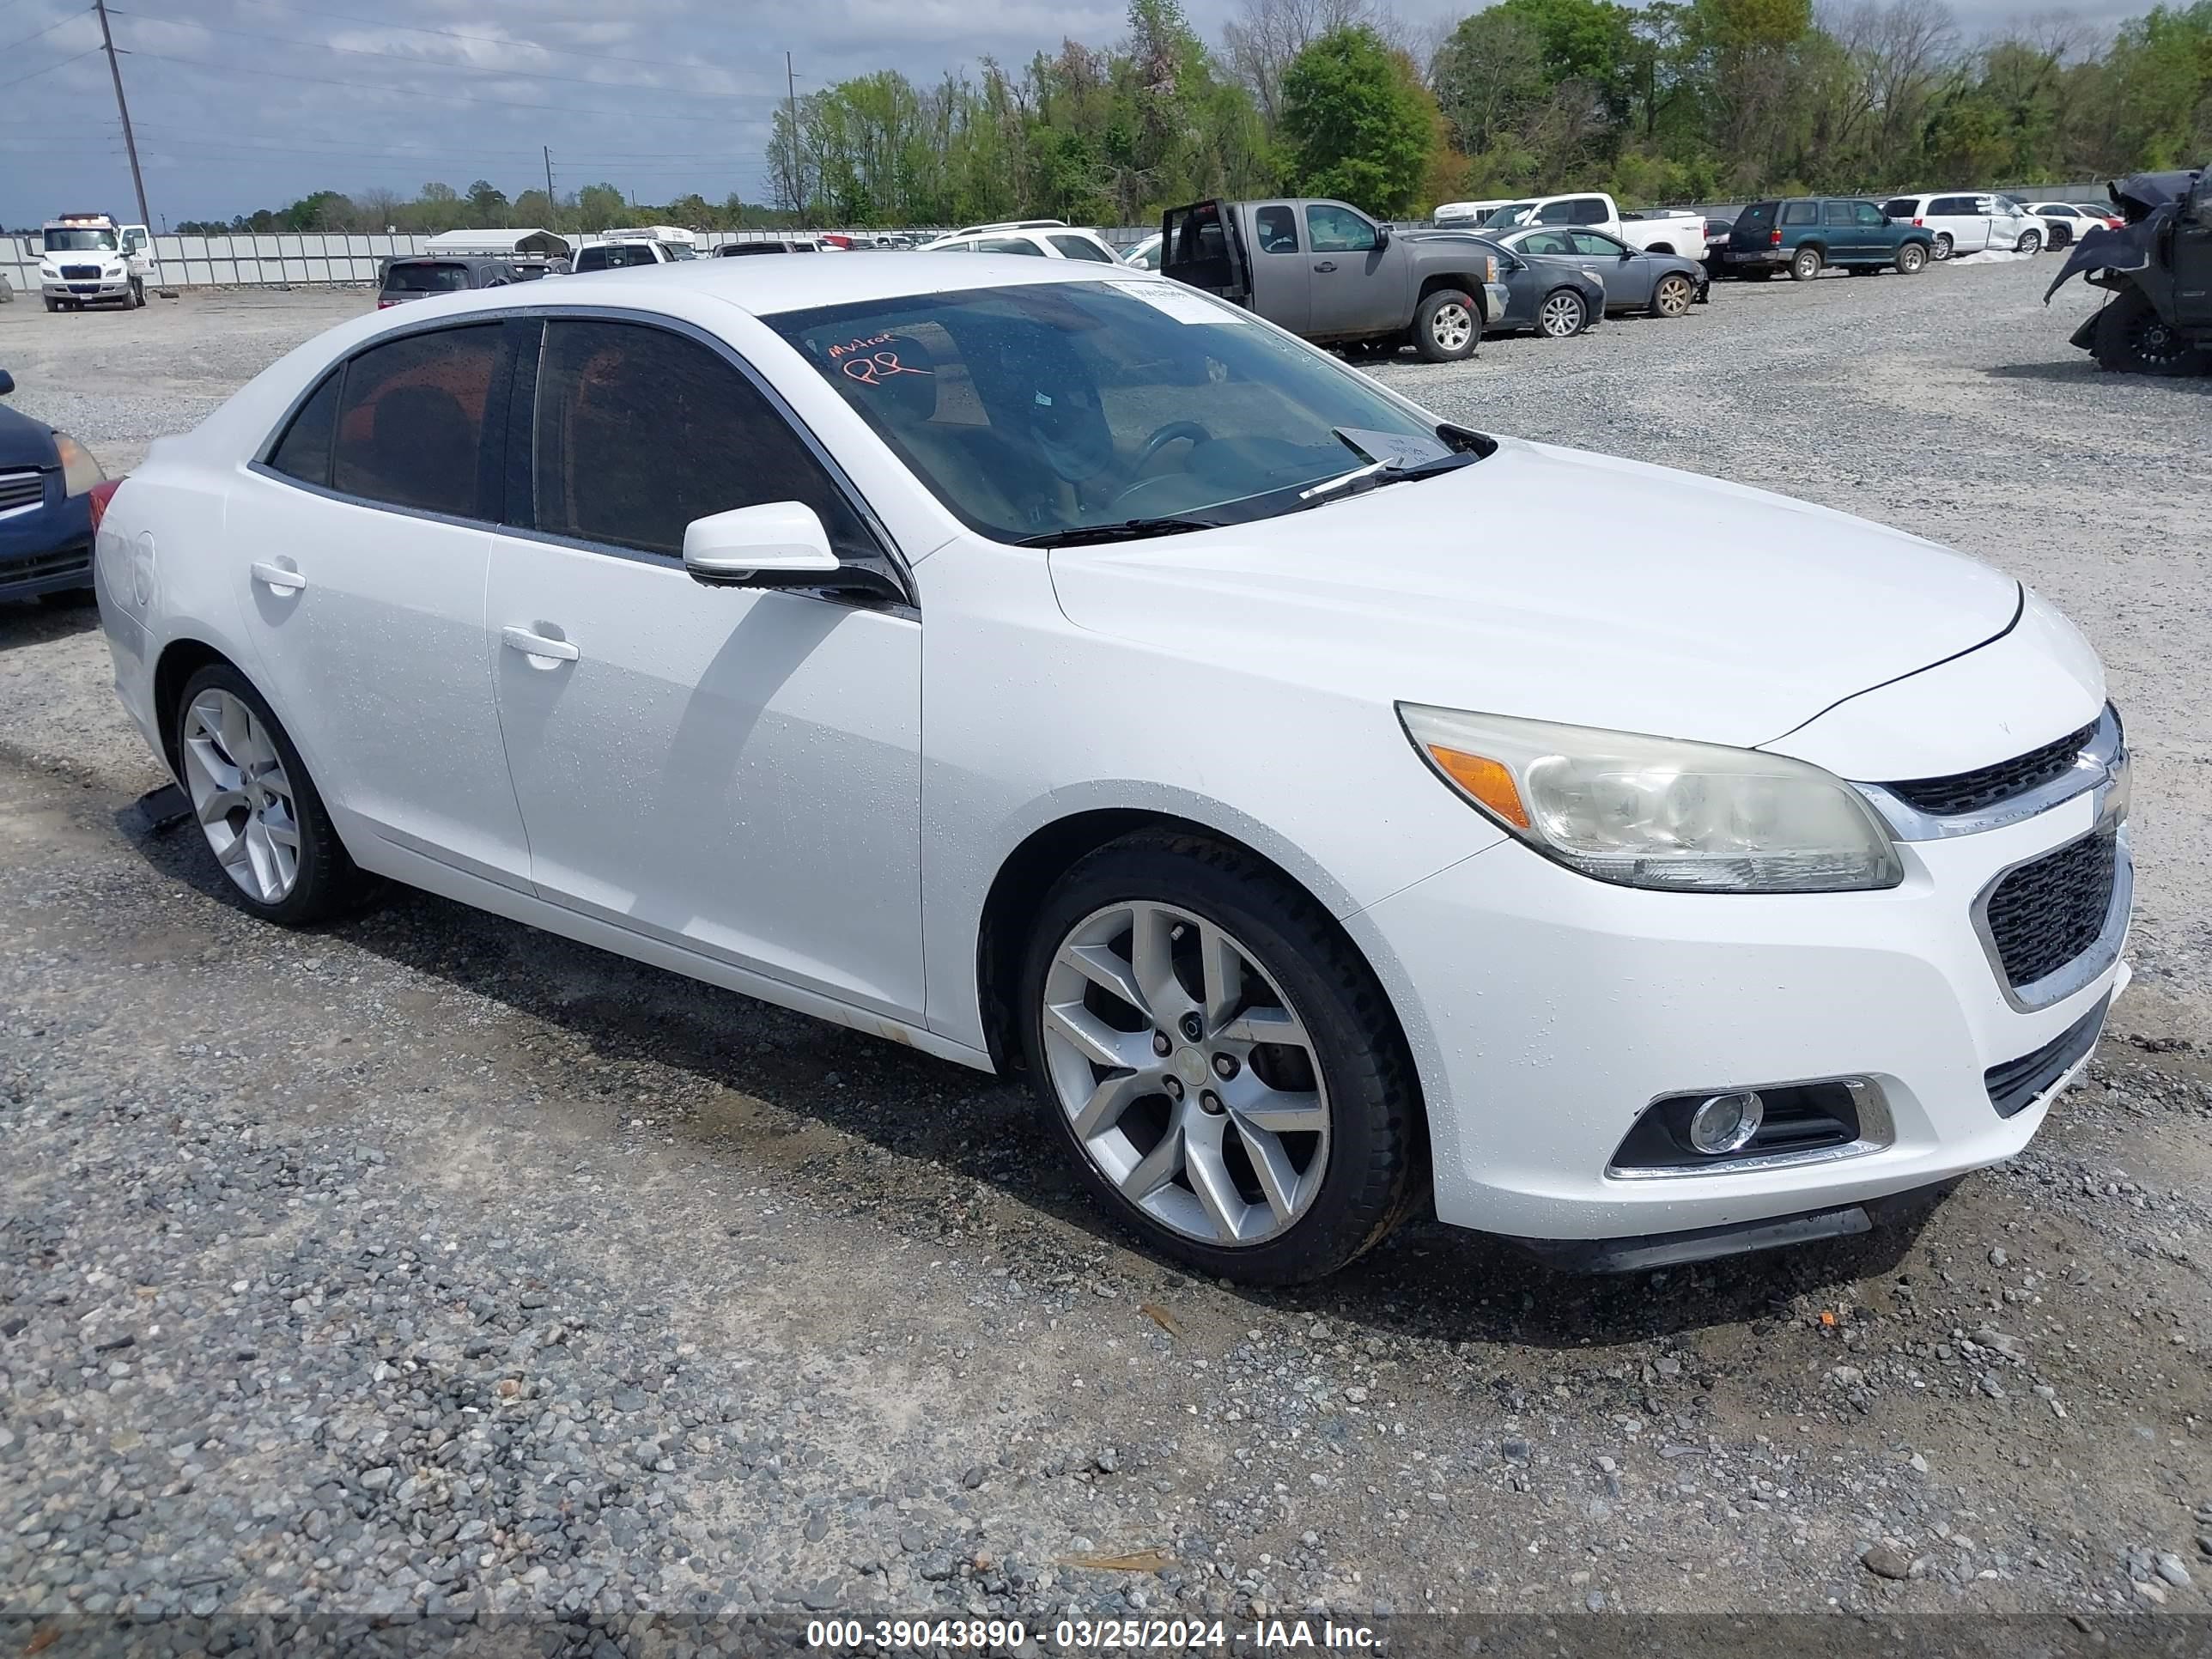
(552, 207)
(791, 96)
(122, 108)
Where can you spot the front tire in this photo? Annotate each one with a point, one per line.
(1674, 296)
(137, 295)
(2132, 338)
(1563, 315)
(1805, 264)
(1219, 1062)
(1447, 326)
(2030, 242)
(1911, 259)
(257, 808)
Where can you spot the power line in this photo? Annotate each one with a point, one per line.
(24, 40)
(433, 62)
(49, 69)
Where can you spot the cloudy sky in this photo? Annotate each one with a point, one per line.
(240, 104)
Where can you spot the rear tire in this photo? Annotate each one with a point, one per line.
(2132, 338)
(1911, 259)
(1805, 264)
(1153, 1153)
(251, 793)
(1447, 326)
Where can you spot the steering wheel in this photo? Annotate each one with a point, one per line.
(1173, 432)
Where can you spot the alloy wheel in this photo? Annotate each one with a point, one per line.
(241, 795)
(1674, 296)
(1942, 249)
(2030, 243)
(2155, 342)
(1451, 327)
(1187, 1080)
(1561, 316)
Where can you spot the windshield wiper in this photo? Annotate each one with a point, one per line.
(1375, 474)
(1130, 529)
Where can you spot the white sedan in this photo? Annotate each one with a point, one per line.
(1047, 666)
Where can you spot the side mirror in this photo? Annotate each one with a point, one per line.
(778, 545)
(7, 383)
(1381, 235)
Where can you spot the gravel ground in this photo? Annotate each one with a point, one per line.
(427, 1267)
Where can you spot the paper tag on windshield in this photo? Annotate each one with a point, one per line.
(1179, 302)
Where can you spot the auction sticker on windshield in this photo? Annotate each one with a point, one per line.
(1179, 302)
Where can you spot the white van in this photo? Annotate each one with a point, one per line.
(1966, 221)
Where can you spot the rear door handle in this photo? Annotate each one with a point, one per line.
(536, 645)
(1326, 264)
(277, 576)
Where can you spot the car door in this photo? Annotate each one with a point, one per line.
(1349, 295)
(1840, 228)
(734, 770)
(1628, 275)
(363, 538)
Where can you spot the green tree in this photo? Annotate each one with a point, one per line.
(487, 203)
(601, 206)
(1357, 125)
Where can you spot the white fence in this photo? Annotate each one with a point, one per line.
(291, 259)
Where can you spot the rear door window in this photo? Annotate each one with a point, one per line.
(1009, 244)
(411, 421)
(1952, 207)
(1837, 213)
(304, 451)
(1553, 242)
(1278, 228)
(1081, 248)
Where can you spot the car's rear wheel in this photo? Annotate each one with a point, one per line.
(2132, 337)
(1220, 1061)
(1447, 326)
(1805, 264)
(1673, 295)
(1563, 314)
(1911, 259)
(1943, 246)
(255, 804)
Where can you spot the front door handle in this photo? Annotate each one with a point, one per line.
(536, 645)
(277, 576)
(1326, 264)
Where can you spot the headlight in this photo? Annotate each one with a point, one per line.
(50, 272)
(79, 471)
(1655, 812)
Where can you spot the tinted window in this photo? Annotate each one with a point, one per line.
(1866, 213)
(411, 421)
(639, 431)
(1081, 248)
(1009, 244)
(1546, 241)
(1902, 207)
(1837, 213)
(1587, 210)
(304, 451)
(1338, 230)
(2056, 212)
(1278, 229)
(1801, 213)
(410, 277)
(1954, 207)
(1757, 216)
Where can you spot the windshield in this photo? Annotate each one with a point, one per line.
(80, 241)
(1507, 215)
(1042, 410)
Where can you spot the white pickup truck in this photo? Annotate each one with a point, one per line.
(1659, 230)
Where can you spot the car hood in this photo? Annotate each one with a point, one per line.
(25, 442)
(1553, 584)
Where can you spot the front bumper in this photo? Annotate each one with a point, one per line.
(1548, 1011)
(46, 549)
(107, 288)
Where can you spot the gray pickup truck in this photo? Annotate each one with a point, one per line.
(1331, 274)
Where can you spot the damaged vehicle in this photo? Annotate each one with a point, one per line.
(2157, 271)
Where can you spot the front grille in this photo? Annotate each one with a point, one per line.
(2018, 1083)
(2051, 909)
(47, 567)
(81, 273)
(21, 489)
(1986, 785)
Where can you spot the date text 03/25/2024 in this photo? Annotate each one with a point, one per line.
(1086, 1635)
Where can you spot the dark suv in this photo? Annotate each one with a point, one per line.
(1805, 234)
(419, 277)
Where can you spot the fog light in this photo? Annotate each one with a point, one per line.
(1724, 1123)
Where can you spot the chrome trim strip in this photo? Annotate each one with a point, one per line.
(1877, 1134)
(2103, 755)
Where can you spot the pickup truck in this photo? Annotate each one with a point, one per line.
(1328, 271)
(1661, 230)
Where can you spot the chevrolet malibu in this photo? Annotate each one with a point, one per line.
(1047, 666)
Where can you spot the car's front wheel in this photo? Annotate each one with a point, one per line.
(1447, 326)
(1563, 314)
(2030, 242)
(1674, 296)
(2132, 337)
(1911, 259)
(256, 805)
(1220, 1061)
